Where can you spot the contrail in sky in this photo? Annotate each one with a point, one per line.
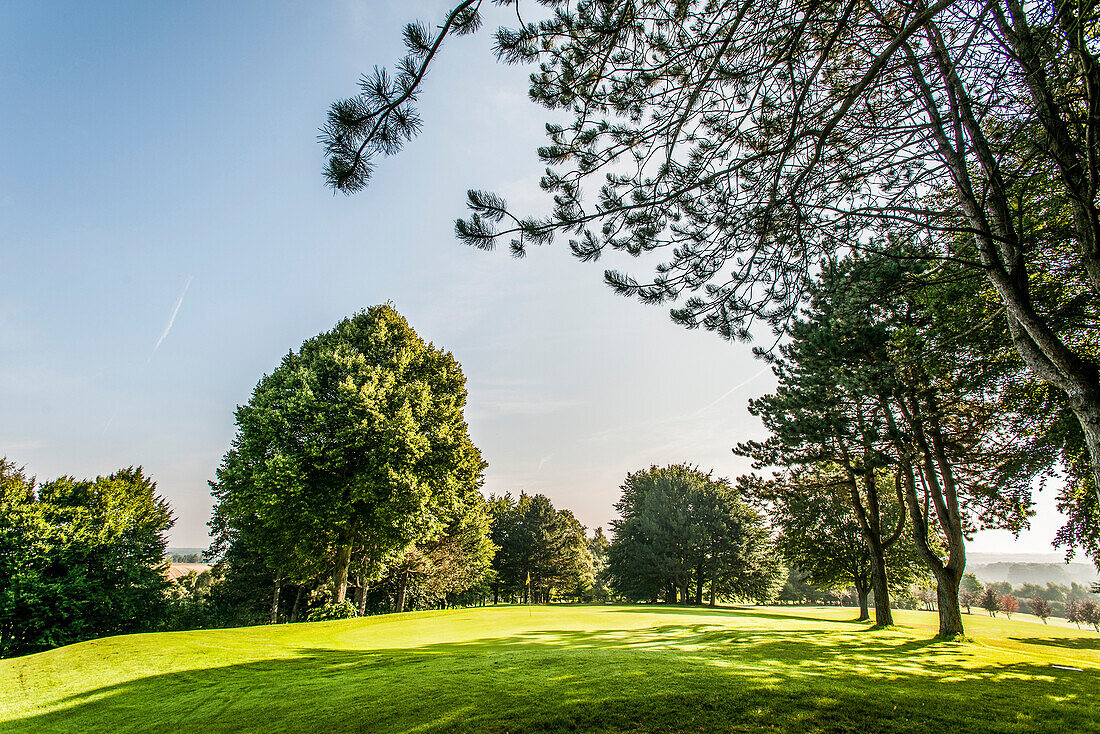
(731, 391)
(172, 318)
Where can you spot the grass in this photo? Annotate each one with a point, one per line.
(616, 669)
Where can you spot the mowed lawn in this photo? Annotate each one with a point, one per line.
(568, 668)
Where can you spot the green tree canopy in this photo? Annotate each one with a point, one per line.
(543, 552)
(355, 448)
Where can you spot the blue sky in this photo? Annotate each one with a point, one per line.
(165, 237)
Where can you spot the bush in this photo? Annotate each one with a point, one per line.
(343, 610)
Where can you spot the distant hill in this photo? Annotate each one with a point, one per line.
(1031, 568)
(174, 551)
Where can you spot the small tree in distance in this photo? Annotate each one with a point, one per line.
(1041, 608)
(1088, 612)
(990, 601)
(1073, 612)
(1009, 605)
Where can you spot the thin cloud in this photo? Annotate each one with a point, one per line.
(542, 462)
(172, 317)
(729, 392)
(110, 421)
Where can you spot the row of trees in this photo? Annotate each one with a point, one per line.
(78, 558)
(352, 482)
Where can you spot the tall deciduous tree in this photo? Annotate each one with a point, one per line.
(748, 140)
(356, 441)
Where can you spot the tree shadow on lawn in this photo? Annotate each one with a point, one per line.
(1072, 643)
(741, 612)
(785, 681)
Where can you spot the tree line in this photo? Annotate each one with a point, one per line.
(904, 193)
(351, 488)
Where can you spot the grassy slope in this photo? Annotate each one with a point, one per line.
(515, 669)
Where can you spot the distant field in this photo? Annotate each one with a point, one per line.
(616, 669)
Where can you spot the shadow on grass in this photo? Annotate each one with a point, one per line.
(700, 678)
(1072, 643)
(745, 612)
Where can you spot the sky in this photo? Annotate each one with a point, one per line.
(166, 236)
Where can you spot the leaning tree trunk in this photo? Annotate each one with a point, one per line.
(402, 585)
(948, 575)
(340, 575)
(870, 525)
(297, 605)
(275, 598)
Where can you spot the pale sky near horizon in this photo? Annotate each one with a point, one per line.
(166, 237)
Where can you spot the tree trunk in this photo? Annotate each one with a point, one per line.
(947, 596)
(340, 574)
(275, 598)
(712, 592)
(699, 586)
(402, 585)
(884, 617)
(361, 595)
(297, 605)
(861, 594)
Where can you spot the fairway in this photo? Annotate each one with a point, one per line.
(568, 668)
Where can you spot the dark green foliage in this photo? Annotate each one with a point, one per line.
(78, 558)
(543, 552)
(598, 546)
(437, 572)
(681, 531)
(887, 377)
(797, 590)
(187, 602)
